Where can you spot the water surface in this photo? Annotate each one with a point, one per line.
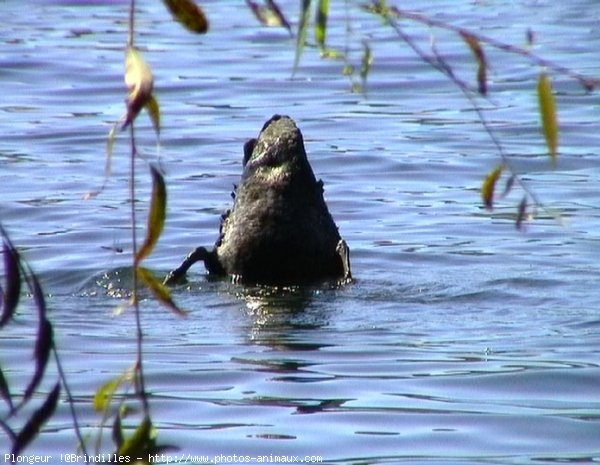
(462, 340)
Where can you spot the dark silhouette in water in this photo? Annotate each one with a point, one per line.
(279, 231)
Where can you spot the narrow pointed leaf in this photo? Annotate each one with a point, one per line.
(159, 290)
(106, 392)
(43, 346)
(154, 112)
(110, 143)
(5, 391)
(488, 186)
(548, 115)
(269, 15)
(156, 216)
(302, 32)
(521, 213)
(37, 420)
(188, 14)
(139, 81)
(12, 288)
(139, 442)
(479, 55)
(509, 185)
(366, 62)
(117, 432)
(262, 13)
(44, 337)
(278, 15)
(321, 23)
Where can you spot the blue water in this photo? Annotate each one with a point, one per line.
(462, 341)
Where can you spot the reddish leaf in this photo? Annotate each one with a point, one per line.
(477, 50)
(521, 214)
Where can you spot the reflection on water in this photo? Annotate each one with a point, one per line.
(275, 314)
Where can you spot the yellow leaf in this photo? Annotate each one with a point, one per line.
(489, 183)
(160, 291)
(269, 14)
(139, 81)
(154, 111)
(548, 115)
(188, 14)
(106, 392)
(156, 216)
(321, 23)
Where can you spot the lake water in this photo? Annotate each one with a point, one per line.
(462, 340)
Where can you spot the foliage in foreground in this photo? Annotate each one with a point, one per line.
(474, 89)
(22, 427)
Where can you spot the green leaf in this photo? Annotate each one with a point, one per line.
(548, 115)
(110, 143)
(156, 216)
(488, 186)
(106, 392)
(37, 420)
(477, 50)
(140, 442)
(154, 112)
(302, 32)
(139, 81)
(160, 291)
(321, 23)
(366, 62)
(188, 14)
(12, 290)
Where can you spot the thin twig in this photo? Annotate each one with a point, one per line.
(70, 400)
(587, 83)
(438, 62)
(140, 383)
(131, 24)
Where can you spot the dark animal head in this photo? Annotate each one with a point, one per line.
(278, 155)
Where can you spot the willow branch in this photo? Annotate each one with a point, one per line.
(392, 13)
